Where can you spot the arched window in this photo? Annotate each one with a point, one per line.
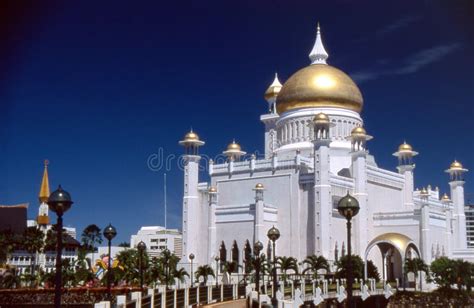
(223, 253)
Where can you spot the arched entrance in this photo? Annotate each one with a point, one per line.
(394, 249)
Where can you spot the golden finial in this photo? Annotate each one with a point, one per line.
(44, 190)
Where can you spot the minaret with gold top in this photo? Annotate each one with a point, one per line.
(456, 174)
(43, 217)
(191, 216)
(406, 167)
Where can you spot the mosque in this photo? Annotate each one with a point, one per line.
(316, 153)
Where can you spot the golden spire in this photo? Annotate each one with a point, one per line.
(44, 190)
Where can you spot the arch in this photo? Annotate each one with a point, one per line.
(395, 241)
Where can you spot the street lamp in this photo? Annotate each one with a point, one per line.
(191, 257)
(217, 270)
(141, 249)
(348, 207)
(273, 235)
(59, 202)
(109, 234)
(257, 247)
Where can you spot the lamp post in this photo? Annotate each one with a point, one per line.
(141, 249)
(257, 247)
(59, 202)
(109, 234)
(217, 270)
(273, 235)
(348, 207)
(191, 257)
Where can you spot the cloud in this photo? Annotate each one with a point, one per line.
(399, 23)
(425, 57)
(394, 26)
(409, 65)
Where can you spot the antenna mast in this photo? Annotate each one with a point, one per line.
(166, 210)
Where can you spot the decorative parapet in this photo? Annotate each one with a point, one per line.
(254, 165)
(384, 177)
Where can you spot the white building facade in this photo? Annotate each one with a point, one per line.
(157, 239)
(316, 153)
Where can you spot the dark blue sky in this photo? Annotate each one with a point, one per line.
(97, 87)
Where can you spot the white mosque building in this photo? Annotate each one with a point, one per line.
(316, 153)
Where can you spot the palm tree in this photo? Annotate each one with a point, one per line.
(169, 262)
(180, 274)
(204, 271)
(285, 264)
(314, 264)
(415, 266)
(90, 237)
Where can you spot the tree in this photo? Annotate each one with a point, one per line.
(372, 271)
(443, 272)
(33, 242)
(314, 264)
(169, 262)
(7, 245)
(124, 244)
(204, 271)
(90, 237)
(286, 264)
(230, 267)
(463, 271)
(357, 267)
(415, 266)
(180, 274)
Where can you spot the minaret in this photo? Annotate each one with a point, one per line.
(191, 221)
(318, 54)
(271, 118)
(425, 237)
(233, 153)
(272, 93)
(405, 167)
(322, 188)
(259, 231)
(212, 224)
(456, 173)
(358, 140)
(43, 217)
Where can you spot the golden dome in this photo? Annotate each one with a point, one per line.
(359, 131)
(321, 118)
(456, 165)
(212, 190)
(273, 90)
(445, 198)
(259, 186)
(234, 147)
(319, 85)
(191, 136)
(405, 147)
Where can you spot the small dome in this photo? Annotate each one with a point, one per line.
(405, 147)
(445, 198)
(259, 186)
(273, 90)
(319, 85)
(424, 192)
(359, 131)
(234, 147)
(456, 165)
(191, 136)
(212, 190)
(321, 118)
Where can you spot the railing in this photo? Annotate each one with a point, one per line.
(303, 288)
